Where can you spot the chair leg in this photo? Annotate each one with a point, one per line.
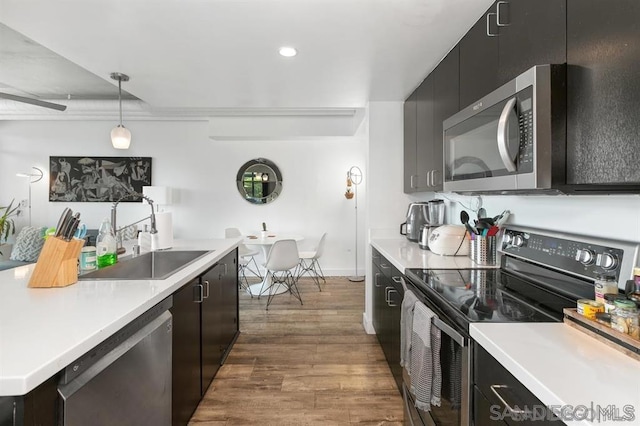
(293, 287)
(241, 276)
(313, 270)
(255, 272)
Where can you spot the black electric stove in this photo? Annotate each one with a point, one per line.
(540, 274)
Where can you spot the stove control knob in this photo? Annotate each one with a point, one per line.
(607, 261)
(518, 240)
(508, 238)
(585, 256)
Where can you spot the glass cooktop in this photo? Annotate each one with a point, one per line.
(489, 295)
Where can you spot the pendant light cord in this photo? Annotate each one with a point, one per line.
(120, 97)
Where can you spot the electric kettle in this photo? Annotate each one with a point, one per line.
(417, 215)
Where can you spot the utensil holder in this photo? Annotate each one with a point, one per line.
(483, 250)
(57, 264)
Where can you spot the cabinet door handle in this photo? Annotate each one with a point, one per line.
(375, 279)
(489, 33)
(200, 293)
(396, 279)
(384, 266)
(206, 290)
(498, 23)
(507, 406)
(387, 297)
(434, 182)
(428, 175)
(225, 269)
(411, 184)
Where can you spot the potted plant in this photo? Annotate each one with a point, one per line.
(7, 226)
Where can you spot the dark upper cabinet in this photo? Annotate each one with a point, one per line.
(186, 352)
(410, 166)
(511, 37)
(530, 32)
(479, 59)
(424, 134)
(603, 92)
(446, 90)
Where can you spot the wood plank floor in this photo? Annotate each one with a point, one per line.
(303, 365)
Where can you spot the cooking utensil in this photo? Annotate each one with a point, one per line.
(502, 219)
(64, 217)
(482, 213)
(464, 218)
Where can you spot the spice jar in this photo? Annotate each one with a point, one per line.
(624, 318)
(635, 294)
(605, 284)
(609, 301)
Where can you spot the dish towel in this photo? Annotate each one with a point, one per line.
(406, 328)
(425, 372)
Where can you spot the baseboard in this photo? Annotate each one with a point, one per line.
(367, 324)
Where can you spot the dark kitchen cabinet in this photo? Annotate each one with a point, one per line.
(37, 408)
(446, 90)
(530, 32)
(500, 399)
(186, 392)
(424, 111)
(387, 300)
(479, 59)
(603, 94)
(205, 325)
(219, 315)
(418, 138)
(410, 143)
(511, 37)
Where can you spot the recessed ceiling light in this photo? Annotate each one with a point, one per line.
(288, 51)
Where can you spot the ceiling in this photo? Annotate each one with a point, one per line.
(198, 54)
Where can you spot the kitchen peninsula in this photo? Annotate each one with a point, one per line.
(44, 330)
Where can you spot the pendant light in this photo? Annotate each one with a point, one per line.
(120, 135)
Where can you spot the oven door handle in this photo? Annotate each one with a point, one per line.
(449, 331)
(503, 136)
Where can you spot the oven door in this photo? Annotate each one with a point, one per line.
(455, 363)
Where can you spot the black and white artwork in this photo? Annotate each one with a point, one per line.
(96, 179)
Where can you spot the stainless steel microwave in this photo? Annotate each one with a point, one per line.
(513, 139)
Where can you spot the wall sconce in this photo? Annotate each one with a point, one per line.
(34, 177)
(120, 135)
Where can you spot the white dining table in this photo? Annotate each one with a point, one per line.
(265, 244)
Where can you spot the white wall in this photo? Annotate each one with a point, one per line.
(203, 172)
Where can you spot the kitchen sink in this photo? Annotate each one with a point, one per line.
(155, 265)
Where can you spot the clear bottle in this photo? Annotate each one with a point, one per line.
(106, 245)
(624, 318)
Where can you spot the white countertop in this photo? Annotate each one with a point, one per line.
(563, 366)
(42, 330)
(405, 254)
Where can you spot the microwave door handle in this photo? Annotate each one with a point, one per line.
(503, 136)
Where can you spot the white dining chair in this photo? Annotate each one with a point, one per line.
(309, 264)
(245, 260)
(282, 258)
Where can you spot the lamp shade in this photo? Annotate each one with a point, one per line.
(120, 137)
(160, 195)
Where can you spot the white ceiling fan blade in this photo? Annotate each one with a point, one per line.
(36, 102)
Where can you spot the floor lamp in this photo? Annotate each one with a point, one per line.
(354, 178)
(33, 178)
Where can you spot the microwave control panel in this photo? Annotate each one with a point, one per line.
(526, 129)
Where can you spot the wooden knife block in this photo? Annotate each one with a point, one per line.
(57, 264)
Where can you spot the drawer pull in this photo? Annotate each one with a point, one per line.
(396, 279)
(489, 33)
(375, 279)
(384, 266)
(387, 296)
(510, 408)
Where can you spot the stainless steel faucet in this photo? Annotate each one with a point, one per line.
(114, 207)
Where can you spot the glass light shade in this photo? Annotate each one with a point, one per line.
(120, 137)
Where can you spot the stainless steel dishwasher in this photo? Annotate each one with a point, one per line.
(126, 380)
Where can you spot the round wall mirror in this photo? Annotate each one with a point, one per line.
(259, 181)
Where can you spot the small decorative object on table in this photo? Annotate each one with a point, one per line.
(263, 233)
